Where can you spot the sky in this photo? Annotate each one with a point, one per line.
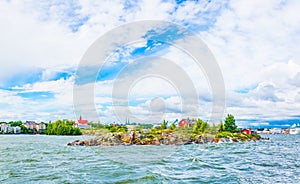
(255, 44)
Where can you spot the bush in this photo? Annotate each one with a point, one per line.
(224, 135)
(145, 126)
(116, 128)
(200, 127)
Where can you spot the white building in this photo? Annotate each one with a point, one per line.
(5, 129)
(295, 129)
(16, 130)
(275, 131)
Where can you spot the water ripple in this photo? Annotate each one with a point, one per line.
(47, 159)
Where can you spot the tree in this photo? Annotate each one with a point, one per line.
(173, 126)
(221, 126)
(76, 131)
(212, 129)
(164, 125)
(96, 125)
(24, 130)
(197, 125)
(200, 126)
(204, 126)
(146, 126)
(62, 127)
(230, 125)
(15, 123)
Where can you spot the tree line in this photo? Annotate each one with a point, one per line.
(62, 127)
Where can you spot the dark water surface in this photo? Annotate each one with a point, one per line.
(47, 159)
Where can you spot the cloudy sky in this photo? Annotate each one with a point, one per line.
(255, 44)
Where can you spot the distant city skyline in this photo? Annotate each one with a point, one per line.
(256, 44)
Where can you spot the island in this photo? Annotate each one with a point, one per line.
(187, 131)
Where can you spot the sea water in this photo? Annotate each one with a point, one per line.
(48, 159)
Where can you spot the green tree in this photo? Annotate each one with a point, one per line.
(200, 126)
(76, 131)
(62, 127)
(164, 125)
(221, 126)
(24, 130)
(15, 123)
(212, 129)
(146, 126)
(197, 125)
(204, 126)
(172, 127)
(230, 125)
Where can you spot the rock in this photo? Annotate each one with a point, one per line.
(222, 140)
(207, 138)
(216, 140)
(235, 140)
(79, 143)
(172, 140)
(115, 139)
(103, 140)
(189, 141)
(156, 141)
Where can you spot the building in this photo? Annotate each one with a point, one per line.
(275, 131)
(6, 129)
(185, 123)
(246, 131)
(16, 130)
(38, 127)
(30, 125)
(260, 130)
(295, 129)
(265, 131)
(286, 131)
(82, 123)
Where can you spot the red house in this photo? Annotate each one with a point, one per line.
(246, 131)
(185, 123)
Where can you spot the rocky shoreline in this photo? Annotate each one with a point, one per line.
(118, 139)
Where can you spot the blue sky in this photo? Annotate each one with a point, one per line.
(255, 44)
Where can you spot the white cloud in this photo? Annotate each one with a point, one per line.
(251, 36)
(256, 44)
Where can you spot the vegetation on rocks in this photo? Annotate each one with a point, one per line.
(200, 132)
(116, 128)
(235, 137)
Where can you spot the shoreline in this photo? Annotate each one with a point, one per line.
(126, 139)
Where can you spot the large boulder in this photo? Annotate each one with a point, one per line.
(79, 143)
(101, 140)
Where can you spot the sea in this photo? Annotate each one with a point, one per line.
(48, 159)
